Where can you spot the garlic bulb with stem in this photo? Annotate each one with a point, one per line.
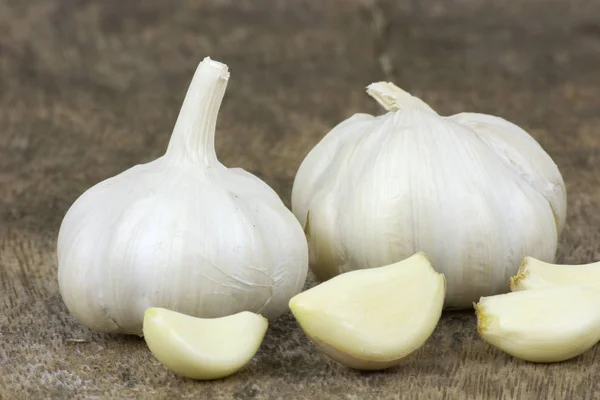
(475, 192)
(182, 232)
(536, 274)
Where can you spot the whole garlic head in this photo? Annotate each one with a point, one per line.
(473, 191)
(182, 232)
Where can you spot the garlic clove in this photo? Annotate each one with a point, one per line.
(202, 348)
(371, 319)
(535, 274)
(522, 154)
(542, 325)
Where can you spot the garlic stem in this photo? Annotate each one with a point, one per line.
(392, 98)
(534, 274)
(194, 133)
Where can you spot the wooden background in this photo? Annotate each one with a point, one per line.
(90, 88)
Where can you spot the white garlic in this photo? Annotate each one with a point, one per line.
(374, 318)
(200, 348)
(542, 325)
(182, 232)
(473, 191)
(536, 274)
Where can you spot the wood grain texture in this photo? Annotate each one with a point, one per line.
(90, 88)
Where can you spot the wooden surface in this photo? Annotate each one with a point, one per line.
(90, 88)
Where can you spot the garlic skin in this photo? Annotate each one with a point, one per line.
(474, 192)
(372, 319)
(542, 325)
(182, 232)
(203, 349)
(536, 274)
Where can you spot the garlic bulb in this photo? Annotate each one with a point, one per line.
(182, 232)
(473, 191)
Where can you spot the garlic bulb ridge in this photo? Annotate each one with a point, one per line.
(473, 191)
(182, 232)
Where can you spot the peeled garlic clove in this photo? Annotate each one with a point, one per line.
(200, 348)
(371, 319)
(542, 325)
(535, 274)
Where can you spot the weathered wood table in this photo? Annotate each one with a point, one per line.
(90, 88)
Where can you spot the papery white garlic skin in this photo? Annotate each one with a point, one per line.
(182, 232)
(200, 348)
(476, 193)
(536, 274)
(542, 325)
